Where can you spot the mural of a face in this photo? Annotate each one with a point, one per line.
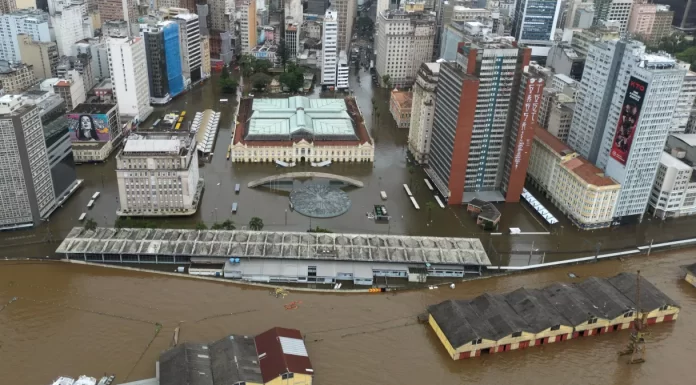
(86, 127)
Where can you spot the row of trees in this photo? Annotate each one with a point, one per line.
(255, 224)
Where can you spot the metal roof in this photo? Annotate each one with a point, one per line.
(327, 117)
(152, 145)
(276, 245)
(490, 317)
(275, 360)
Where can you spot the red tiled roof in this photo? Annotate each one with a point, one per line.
(589, 172)
(552, 141)
(275, 362)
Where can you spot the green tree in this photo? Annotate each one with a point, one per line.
(365, 27)
(386, 79)
(247, 63)
(688, 55)
(201, 226)
(282, 53)
(226, 225)
(229, 85)
(90, 224)
(256, 224)
(225, 73)
(262, 66)
(260, 81)
(294, 79)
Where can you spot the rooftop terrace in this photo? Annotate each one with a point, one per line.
(276, 245)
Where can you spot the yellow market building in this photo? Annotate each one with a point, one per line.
(691, 274)
(496, 323)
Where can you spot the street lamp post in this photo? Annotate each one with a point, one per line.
(286, 217)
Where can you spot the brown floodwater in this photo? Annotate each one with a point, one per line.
(73, 319)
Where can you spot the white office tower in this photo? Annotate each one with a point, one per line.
(68, 28)
(158, 175)
(614, 11)
(128, 68)
(26, 195)
(192, 58)
(342, 71)
(594, 96)
(28, 21)
(640, 115)
(329, 48)
(685, 104)
(404, 41)
(422, 111)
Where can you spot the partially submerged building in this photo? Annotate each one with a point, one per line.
(691, 274)
(494, 323)
(299, 129)
(277, 356)
(293, 257)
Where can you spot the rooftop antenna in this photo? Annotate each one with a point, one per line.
(636, 344)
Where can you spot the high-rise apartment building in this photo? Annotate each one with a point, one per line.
(163, 61)
(342, 71)
(317, 7)
(347, 11)
(16, 77)
(624, 129)
(247, 24)
(640, 117)
(521, 134)
(129, 76)
(650, 22)
(535, 21)
(27, 21)
(685, 103)
(594, 96)
(613, 10)
(329, 48)
(404, 41)
(158, 175)
(43, 57)
(118, 10)
(27, 194)
(97, 50)
(68, 26)
(191, 47)
(423, 111)
(475, 97)
(7, 6)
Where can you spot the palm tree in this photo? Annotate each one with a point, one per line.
(256, 224)
(430, 206)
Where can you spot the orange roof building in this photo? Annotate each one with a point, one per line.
(576, 186)
(400, 104)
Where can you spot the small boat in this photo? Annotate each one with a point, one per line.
(90, 204)
(234, 207)
(237, 187)
(82, 217)
(383, 195)
(96, 195)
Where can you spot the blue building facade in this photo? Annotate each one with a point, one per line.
(535, 20)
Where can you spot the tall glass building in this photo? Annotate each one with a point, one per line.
(535, 20)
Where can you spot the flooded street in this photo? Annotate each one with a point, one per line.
(388, 173)
(70, 319)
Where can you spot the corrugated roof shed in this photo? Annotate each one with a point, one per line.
(186, 364)
(650, 297)
(571, 303)
(459, 322)
(691, 269)
(535, 309)
(498, 313)
(282, 351)
(605, 296)
(234, 360)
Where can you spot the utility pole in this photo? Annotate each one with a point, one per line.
(598, 246)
